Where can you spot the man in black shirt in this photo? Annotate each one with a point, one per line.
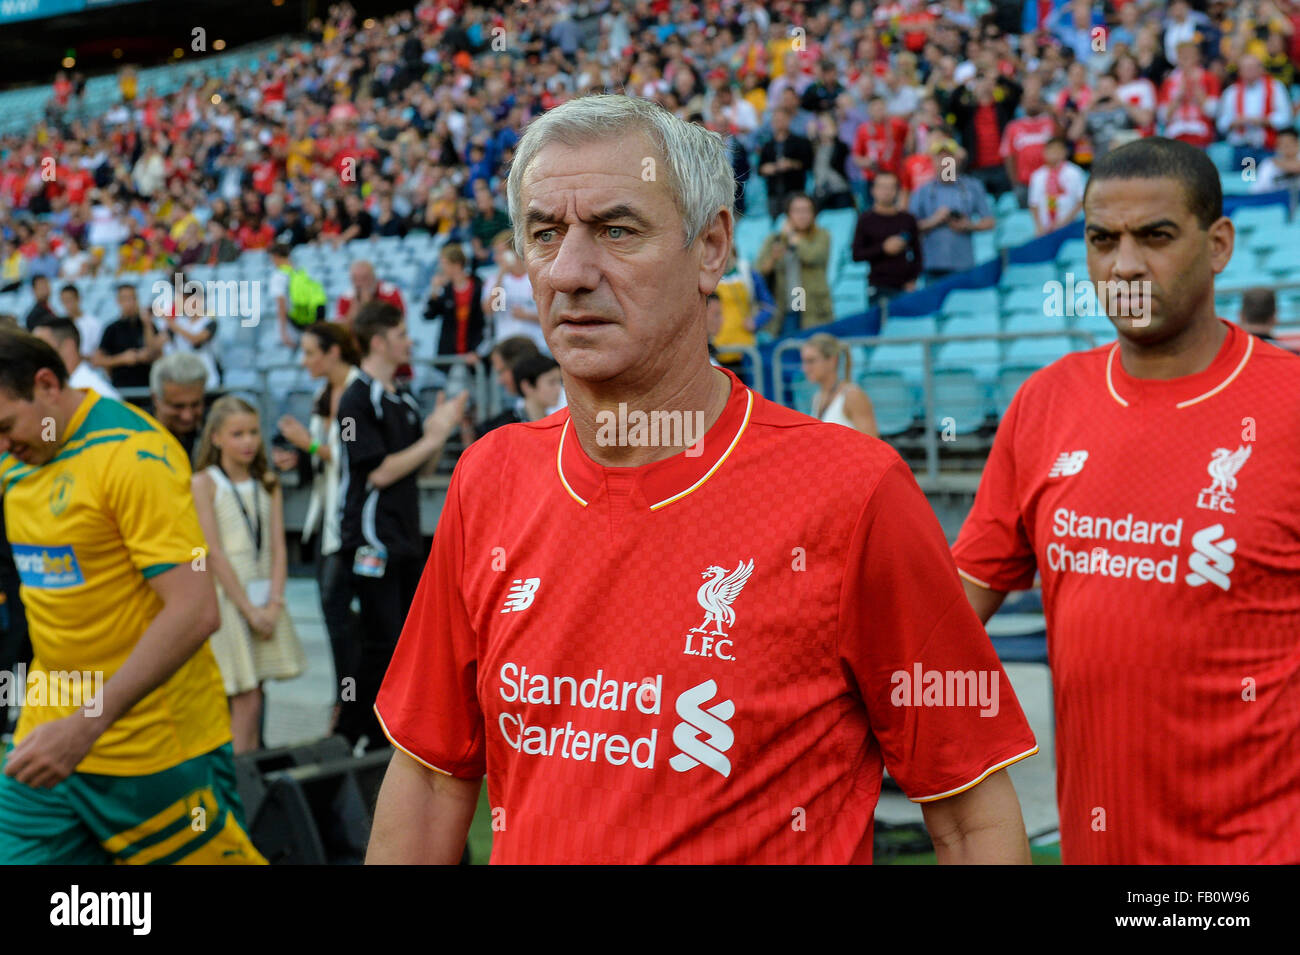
(41, 311)
(130, 344)
(888, 238)
(784, 162)
(384, 445)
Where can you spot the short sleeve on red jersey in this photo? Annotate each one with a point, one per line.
(428, 704)
(993, 548)
(937, 698)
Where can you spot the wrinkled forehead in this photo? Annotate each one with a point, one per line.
(587, 178)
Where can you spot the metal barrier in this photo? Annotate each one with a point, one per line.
(927, 343)
(755, 361)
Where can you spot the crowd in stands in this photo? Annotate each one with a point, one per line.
(916, 116)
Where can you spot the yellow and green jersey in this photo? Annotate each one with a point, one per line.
(110, 510)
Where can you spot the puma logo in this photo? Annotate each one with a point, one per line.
(144, 455)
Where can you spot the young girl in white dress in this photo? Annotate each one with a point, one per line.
(241, 510)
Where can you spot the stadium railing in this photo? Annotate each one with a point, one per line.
(928, 343)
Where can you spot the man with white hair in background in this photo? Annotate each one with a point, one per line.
(177, 384)
(653, 650)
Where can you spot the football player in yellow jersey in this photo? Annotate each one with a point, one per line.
(122, 752)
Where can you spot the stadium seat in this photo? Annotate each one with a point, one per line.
(1283, 263)
(1029, 275)
(968, 301)
(981, 356)
(1022, 322)
(921, 326)
(893, 400)
(1025, 298)
(972, 323)
(1242, 272)
(1008, 382)
(986, 247)
(1257, 218)
(961, 396)
(1072, 250)
(1037, 351)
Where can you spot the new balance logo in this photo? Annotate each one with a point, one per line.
(1068, 463)
(1211, 561)
(521, 594)
(686, 736)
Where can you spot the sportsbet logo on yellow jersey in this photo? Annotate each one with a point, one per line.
(47, 567)
(111, 510)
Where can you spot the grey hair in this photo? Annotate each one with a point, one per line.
(178, 368)
(697, 169)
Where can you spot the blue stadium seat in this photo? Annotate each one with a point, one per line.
(1037, 351)
(1259, 217)
(1021, 322)
(1026, 298)
(1242, 271)
(1283, 263)
(1031, 275)
(922, 325)
(986, 247)
(1009, 380)
(892, 399)
(982, 357)
(960, 395)
(968, 301)
(972, 323)
(1072, 250)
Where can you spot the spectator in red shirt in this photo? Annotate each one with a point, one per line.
(1024, 138)
(882, 141)
(366, 287)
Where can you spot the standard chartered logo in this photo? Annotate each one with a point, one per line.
(703, 737)
(696, 721)
(1211, 560)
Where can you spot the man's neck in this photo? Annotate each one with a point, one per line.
(706, 390)
(886, 209)
(380, 369)
(1188, 353)
(65, 409)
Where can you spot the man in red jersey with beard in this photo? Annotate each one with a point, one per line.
(697, 639)
(1152, 484)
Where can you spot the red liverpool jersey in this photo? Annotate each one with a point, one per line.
(703, 659)
(1164, 519)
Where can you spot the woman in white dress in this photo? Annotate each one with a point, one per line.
(838, 400)
(241, 510)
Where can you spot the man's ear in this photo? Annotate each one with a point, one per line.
(1222, 239)
(717, 241)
